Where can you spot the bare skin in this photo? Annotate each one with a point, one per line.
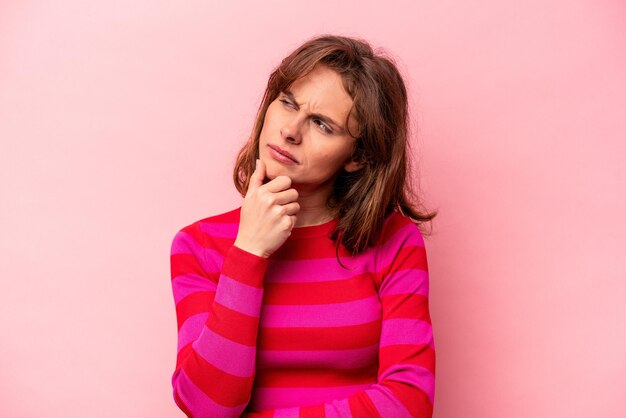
(268, 213)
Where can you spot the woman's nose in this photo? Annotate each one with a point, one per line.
(291, 130)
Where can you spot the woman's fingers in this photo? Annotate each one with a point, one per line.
(257, 177)
(284, 197)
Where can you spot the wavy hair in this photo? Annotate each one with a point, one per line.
(363, 198)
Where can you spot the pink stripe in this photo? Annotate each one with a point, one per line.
(272, 398)
(187, 284)
(210, 260)
(239, 296)
(386, 403)
(337, 409)
(191, 328)
(406, 331)
(329, 315)
(409, 281)
(409, 234)
(183, 243)
(412, 375)
(339, 359)
(220, 230)
(328, 269)
(199, 403)
(287, 413)
(323, 269)
(228, 356)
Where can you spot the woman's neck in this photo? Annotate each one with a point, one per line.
(313, 209)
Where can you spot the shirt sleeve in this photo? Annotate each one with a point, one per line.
(406, 374)
(218, 299)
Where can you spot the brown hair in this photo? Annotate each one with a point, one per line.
(364, 198)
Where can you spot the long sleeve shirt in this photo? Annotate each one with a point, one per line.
(297, 334)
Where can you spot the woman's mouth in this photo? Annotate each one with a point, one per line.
(281, 155)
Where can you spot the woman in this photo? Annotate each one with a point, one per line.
(311, 299)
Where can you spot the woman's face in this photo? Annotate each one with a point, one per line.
(307, 122)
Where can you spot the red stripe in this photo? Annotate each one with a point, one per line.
(420, 355)
(244, 267)
(231, 390)
(331, 338)
(413, 399)
(362, 406)
(185, 264)
(193, 304)
(316, 411)
(409, 306)
(181, 404)
(337, 291)
(315, 378)
(233, 325)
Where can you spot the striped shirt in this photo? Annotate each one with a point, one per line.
(298, 335)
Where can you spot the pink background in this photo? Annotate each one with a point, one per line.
(119, 123)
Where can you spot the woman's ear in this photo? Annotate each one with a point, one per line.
(352, 166)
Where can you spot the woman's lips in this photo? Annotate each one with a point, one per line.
(282, 155)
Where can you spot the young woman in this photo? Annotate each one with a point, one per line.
(311, 299)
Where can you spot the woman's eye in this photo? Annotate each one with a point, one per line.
(324, 127)
(286, 102)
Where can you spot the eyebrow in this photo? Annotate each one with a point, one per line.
(320, 116)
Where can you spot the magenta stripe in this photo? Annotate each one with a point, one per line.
(337, 409)
(408, 281)
(183, 243)
(228, 356)
(386, 403)
(210, 260)
(239, 296)
(272, 398)
(339, 359)
(412, 375)
(328, 315)
(220, 230)
(287, 412)
(199, 403)
(406, 331)
(187, 284)
(191, 328)
(328, 269)
(408, 234)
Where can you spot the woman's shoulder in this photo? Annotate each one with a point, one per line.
(400, 228)
(223, 225)
(229, 217)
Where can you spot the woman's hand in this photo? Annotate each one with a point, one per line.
(268, 213)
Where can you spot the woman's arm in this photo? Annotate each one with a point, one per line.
(406, 375)
(218, 301)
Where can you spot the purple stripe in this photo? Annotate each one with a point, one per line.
(338, 359)
(337, 409)
(228, 356)
(220, 230)
(199, 403)
(408, 281)
(187, 284)
(386, 403)
(239, 296)
(287, 412)
(328, 315)
(191, 328)
(272, 398)
(406, 331)
(412, 375)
